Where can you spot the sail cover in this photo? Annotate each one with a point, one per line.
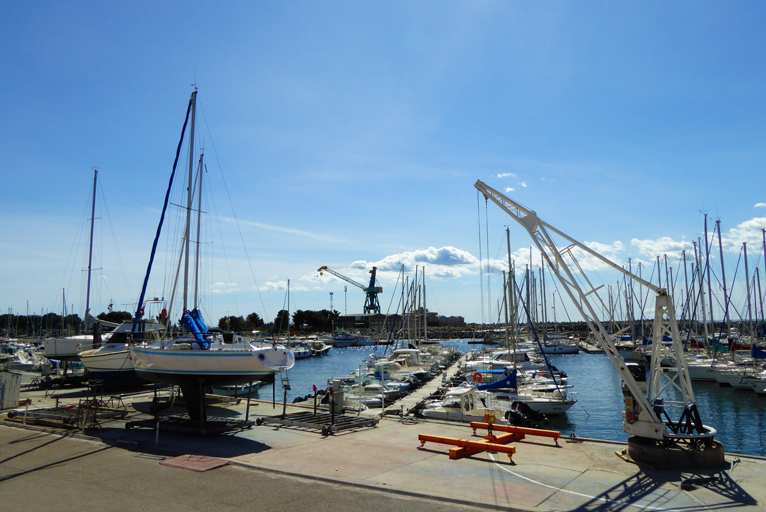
(507, 382)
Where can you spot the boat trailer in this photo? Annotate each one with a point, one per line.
(327, 423)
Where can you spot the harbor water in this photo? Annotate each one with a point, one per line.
(739, 416)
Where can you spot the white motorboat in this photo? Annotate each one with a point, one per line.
(502, 359)
(344, 339)
(300, 351)
(547, 403)
(758, 382)
(464, 405)
(319, 348)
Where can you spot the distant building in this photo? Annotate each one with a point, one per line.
(376, 322)
(451, 321)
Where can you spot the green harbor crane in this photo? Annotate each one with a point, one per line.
(371, 304)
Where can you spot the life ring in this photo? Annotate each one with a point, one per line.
(477, 377)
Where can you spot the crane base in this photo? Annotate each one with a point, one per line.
(648, 451)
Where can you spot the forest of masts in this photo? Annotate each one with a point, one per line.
(702, 296)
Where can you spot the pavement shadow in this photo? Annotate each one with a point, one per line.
(147, 440)
(645, 489)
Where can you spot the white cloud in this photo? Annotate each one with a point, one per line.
(506, 175)
(291, 231)
(440, 263)
(662, 247)
(760, 205)
(509, 189)
(271, 286)
(221, 287)
(750, 231)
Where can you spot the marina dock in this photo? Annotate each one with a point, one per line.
(385, 459)
(407, 403)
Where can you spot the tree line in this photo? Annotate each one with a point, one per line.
(302, 320)
(51, 324)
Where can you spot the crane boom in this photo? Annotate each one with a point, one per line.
(643, 415)
(371, 303)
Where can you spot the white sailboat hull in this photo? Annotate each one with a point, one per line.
(110, 363)
(227, 367)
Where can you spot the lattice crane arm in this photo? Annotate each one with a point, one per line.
(341, 276)
(530, 220)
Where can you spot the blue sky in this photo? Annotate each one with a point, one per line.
(351, 134)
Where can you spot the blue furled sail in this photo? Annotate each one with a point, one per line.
(162, 219)
(190, 323)
(507, 382)
(197, 316)
(757, 352)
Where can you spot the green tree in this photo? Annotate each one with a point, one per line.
(232, 323)
(254, 321)
(282, 321)
(115, 316)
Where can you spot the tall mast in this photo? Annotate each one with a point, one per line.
(747, 281)
(425, 309)
(700, 271)
(189, 200)
(511, 285)
(688, 294)
(90, 251)
(709, 286)
(199, 216)
(760, 297)
(723, 276)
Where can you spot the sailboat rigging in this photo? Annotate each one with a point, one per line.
(200, 358)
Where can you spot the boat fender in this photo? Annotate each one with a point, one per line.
(477, 377)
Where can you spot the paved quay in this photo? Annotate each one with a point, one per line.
(372, 468)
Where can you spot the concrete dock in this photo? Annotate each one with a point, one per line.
(381, 467)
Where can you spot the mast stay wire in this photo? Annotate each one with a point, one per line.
(114, 237)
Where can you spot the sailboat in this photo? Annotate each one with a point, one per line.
(201, 358)
(111, 363)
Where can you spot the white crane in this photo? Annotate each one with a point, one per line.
(645, 416)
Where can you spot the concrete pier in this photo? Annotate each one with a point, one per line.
(383, 467)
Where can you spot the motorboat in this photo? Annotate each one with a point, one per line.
(319, 348)
(464, 404)
(344, 339)
(558, 348)
(300, 351)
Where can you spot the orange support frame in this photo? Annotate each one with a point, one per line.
(518, 430)
(466, 448)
